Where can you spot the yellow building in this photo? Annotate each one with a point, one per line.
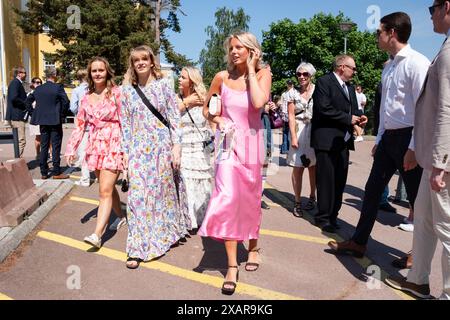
(19, 49)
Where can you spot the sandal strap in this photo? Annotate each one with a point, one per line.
(255, 250)
(252, 264)
(233, 267)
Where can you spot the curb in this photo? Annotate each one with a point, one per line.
(13, 239)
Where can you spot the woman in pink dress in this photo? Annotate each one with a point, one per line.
(99, 111)
(234, 211)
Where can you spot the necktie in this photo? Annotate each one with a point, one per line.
(345, 90)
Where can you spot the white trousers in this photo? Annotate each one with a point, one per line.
(431, 222)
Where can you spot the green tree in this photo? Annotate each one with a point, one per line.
(212, 57)
(159, 25)
(109, 28)
(318, 41)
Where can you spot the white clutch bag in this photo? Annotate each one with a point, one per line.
(215, 105)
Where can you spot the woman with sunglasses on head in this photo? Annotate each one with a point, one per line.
(100, 111)
(34, 129)
(301, 155)
(234, 211)
(158, 215)
(195, 159)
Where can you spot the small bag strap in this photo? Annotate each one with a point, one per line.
(192, 120)
(150, 106)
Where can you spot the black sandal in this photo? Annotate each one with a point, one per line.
(252, 264)
(137, 260)
(227, 290)
(311, 204)
(297, 212)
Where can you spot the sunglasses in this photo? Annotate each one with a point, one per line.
(350, 67)
(433, 8)
(304, 74)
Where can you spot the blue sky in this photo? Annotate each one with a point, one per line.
(200, 14)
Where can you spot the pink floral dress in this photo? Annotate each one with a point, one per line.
(104, 151)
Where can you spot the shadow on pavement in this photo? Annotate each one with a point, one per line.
(215, 257)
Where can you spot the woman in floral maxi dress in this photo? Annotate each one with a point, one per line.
(157, 210)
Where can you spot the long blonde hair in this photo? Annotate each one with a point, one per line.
(249, 41)
(131, 75)
(197, 81)
(109, 76)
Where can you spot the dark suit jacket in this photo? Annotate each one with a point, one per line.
(332, 115)
(52, 104)
(15, 109)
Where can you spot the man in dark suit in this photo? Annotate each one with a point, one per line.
(335, 111)
(52, 104)
(16, 111)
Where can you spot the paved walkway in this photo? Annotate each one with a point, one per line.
(54, 263)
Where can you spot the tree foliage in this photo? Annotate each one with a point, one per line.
(109, 28)
(318, 41)
(212, 57)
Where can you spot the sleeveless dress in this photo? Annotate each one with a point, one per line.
(303, 110)
(196, 164)
(234, 211)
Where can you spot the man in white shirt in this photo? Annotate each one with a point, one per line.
(362, 101)
(431, 133)
(402, 81)
(75, 102)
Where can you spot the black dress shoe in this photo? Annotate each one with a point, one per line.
(387, 207)
(328, 228)
(264, 205)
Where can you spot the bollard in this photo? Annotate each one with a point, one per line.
(19, 197)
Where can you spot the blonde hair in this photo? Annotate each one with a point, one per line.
(197, 81)
(131, 77)
(249, 41)
(82, 75)
(109, 76)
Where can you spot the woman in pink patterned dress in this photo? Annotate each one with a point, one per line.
(234, 211)
(100, 111)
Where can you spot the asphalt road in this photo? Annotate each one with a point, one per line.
(55, 263)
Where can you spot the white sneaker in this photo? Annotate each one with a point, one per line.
(406, 221)
(93, 240)
(359, 139)
(118, 223)
(408, 227)
(82, 183)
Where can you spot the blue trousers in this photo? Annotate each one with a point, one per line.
(284, 148)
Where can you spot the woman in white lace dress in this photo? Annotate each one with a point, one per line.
(196, 166)
(301, 155)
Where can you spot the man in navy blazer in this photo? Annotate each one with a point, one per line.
(15, 110)
(52, 104)
(335, 112)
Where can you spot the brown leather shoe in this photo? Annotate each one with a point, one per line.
(421, 291)
(404, 262)
(348, 247)
(44, 177)
(61, 176)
